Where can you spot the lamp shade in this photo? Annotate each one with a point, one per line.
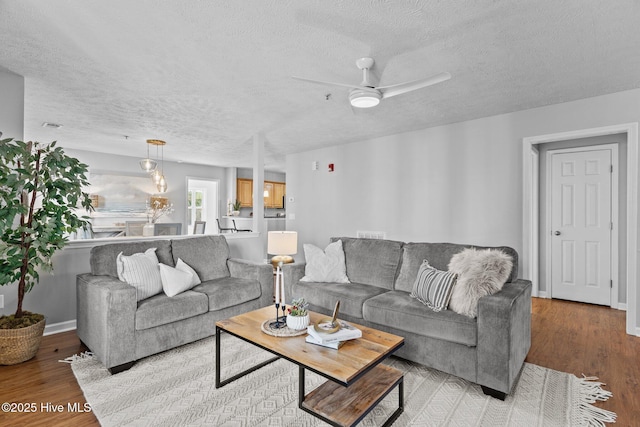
(282, 242)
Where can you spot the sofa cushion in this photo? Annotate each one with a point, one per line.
(438, 255)
(207, 255)
(161, 310)
(372, 261)
(351, 295)
(229, 291)
(396, 309)
(103, 258)
(141, 271)
(433, 287)
(175, 281)
(325, 266)
(480, 273)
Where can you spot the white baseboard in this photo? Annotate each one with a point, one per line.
(621, 306)
(56, 328)
(542, 294)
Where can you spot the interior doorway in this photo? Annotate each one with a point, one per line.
(580, 206)
(202, 203)
(533, 263)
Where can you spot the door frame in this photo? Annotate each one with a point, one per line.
(614, 215)
(530, 164)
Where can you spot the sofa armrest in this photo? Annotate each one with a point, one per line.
(263, 273)
(504, 335)
(292, 273)
(106, 310)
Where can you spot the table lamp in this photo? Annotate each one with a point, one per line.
(283, 244)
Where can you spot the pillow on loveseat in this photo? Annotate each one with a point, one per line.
(480, 273)
(325, 266)
(142, 271)
(433, 287)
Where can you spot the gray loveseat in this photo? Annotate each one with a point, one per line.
(488, 350)
(119, 330)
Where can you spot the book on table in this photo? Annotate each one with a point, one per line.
(334, 345)
(346, 332)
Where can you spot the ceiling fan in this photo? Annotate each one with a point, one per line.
(367, 95)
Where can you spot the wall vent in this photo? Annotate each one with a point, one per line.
(371, 234)
(51, 125)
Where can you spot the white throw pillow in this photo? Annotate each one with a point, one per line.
(183, 266)
(325, 266)
(480, 273)
(175, 281)
(433, 287)
(140, 271)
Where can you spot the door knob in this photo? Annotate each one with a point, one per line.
(557, 233)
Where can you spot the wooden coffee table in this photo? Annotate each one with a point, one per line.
(357, 380)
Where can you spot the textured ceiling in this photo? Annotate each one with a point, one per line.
(207, 75)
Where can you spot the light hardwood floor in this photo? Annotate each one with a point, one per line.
(567, 336)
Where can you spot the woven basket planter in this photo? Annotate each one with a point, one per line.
(19, 345)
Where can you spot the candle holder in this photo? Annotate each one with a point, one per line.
(278, 324)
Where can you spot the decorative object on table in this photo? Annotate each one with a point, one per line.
(298, 317)
(334, 345)
(270, 327)
(284, 244)
(31, 233)
(157, 174)
(156, 207)
(235, 208)
(345, 332)
(329, 325)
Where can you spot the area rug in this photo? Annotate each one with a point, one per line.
(177, 388)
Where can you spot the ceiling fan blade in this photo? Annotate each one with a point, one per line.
(399, 89)
(320, 82)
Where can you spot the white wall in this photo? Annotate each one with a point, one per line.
(457, 183)
(11, 105)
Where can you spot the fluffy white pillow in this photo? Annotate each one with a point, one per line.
(480, 273)
(175, 281)
(140, 271)
(183, 266)
(325, 266)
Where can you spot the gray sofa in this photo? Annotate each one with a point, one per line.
(119, 330)
(488, 350)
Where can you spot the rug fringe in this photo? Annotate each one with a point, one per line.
(77, 357)
(590, 391)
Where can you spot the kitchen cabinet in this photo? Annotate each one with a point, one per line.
(245, 192)
(276, 190)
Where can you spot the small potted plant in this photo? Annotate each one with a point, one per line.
(236, 208)
(298, 317)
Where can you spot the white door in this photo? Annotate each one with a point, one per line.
(581, 226)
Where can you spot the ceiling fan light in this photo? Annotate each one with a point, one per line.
(364, 98)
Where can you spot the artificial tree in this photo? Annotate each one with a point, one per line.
(40, 191)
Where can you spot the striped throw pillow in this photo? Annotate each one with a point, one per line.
(141, 271)
(433, 287)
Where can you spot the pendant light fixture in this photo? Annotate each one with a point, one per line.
(148, 165)
(158, 175)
